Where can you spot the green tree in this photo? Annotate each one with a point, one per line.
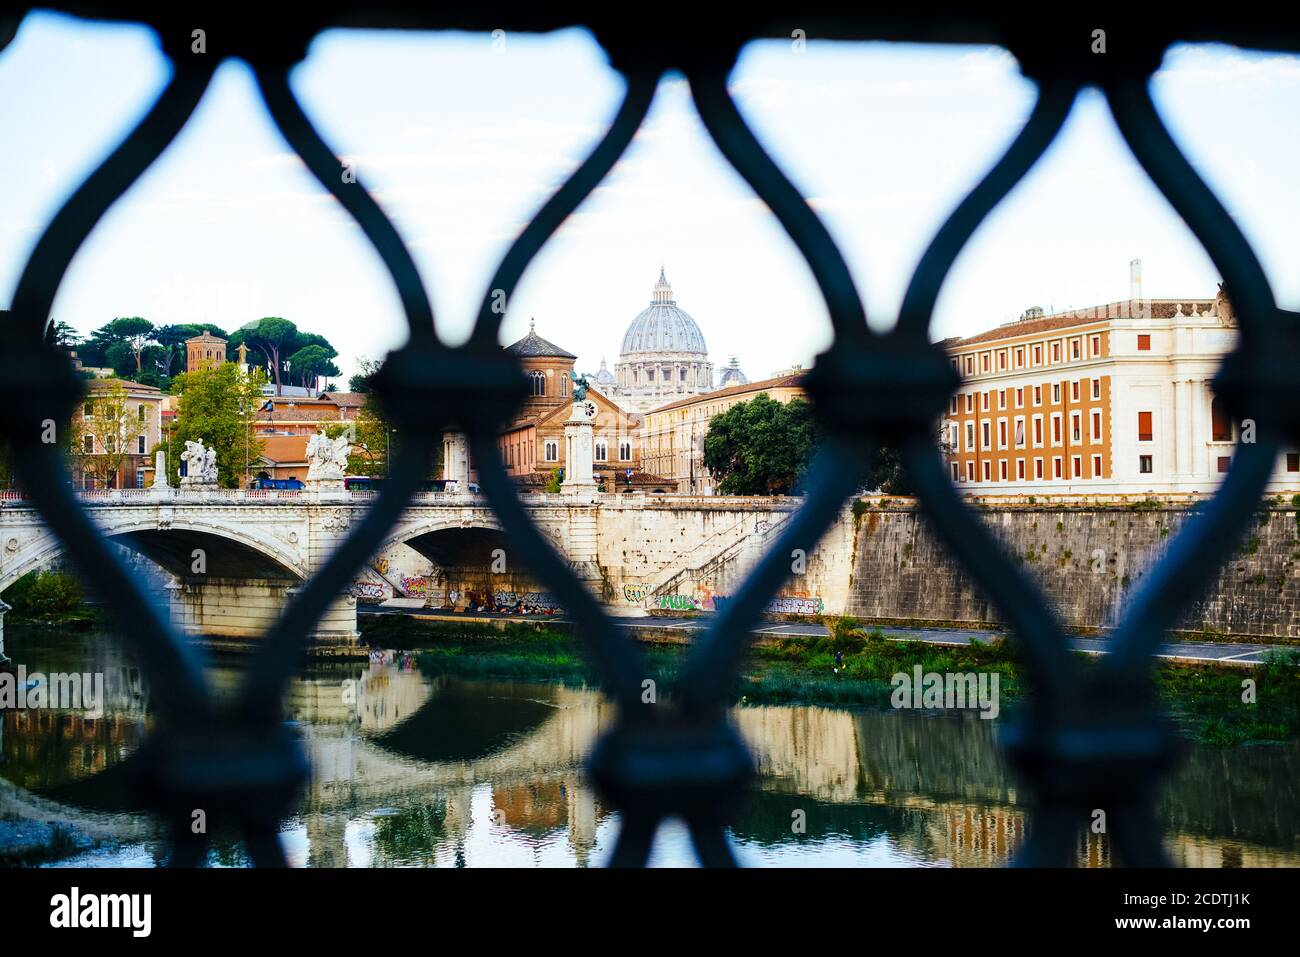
(217, 405)
(760, 447)
(273, 337)
(61, 334)
(310, 362)
(135, 331)
(366, 367)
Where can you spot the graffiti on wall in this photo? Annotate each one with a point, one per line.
(534, 602)
(380, 565)
(781, 605)
(368, 591)
(416, 586)
(677, 602)
(635, 593)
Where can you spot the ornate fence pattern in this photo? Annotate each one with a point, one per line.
(1088, 739)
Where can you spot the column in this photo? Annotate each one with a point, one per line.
(1183, 428)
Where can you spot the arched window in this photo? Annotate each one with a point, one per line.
(564, 383)
(625, 451)
(539, 382)
(602, 451)
(1220, 423)
(552, 450)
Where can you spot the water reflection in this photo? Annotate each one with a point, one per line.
(410, 769)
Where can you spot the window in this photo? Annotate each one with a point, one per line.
(1076, 427)
(1038, 395)
(1074, 391)
(625, 451)
(1020, 358)
(88, 444)
(970, 401)
(142, 412)
(956, 472)
(970, 471)
(602, 451)
(1056, 428)
(1096, 466)
(1038, 355)
(564, 383)
(952, 406)
(1096, 345)
(1223, 462)
(1074, 349)
(953, 438)
(1056, 467)
(1096, 426)
(1056, 352)
(1020, 398)
(970, 436)
(1002, 398)
(140, 446)
(1002, 359)
(1144, 427)
(984, 434)
(984, 401)
(1056, 393)
(1144, 342)
(1020, 433)
(984, 362)
(1038, 431)
(1144, 464)
(970, 365)
(986, 470)
(110, 444)
(538, 382)
(1020, 469)
(1293, 461)
(1002, 433)
(1078, 466)
(1220, 423)
(1096, 388)
(88, 411)
(552, 452)
(1038, 468)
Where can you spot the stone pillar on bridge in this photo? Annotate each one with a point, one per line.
(579, 450)
(455, 458)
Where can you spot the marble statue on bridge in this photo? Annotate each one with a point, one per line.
(327, 459)
(200, 464)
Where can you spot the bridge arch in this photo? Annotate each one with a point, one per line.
(229, 551)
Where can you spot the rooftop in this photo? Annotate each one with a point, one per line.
(1123, 309)
(533, 346)
(762, 385)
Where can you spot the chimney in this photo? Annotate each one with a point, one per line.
(1135, 280)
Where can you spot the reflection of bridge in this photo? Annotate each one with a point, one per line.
(234, 555)
(380, 737)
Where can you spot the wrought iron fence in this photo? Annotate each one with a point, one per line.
(1088, 739)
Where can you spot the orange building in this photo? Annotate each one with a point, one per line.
(204, 351)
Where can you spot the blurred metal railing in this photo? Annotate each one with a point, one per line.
(1087, 739)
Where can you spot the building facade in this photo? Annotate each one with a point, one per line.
(533, 445)
(1115, 399)
(672, 436)
(204, 351)
(114, 433)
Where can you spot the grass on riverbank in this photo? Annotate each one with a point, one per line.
(49, 598)
(800, 669)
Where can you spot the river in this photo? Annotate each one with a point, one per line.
(427, 770)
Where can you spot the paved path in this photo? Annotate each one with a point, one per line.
(1226, 653)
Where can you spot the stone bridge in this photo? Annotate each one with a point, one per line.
(231, 558)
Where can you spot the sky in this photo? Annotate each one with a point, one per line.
(461, 140)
